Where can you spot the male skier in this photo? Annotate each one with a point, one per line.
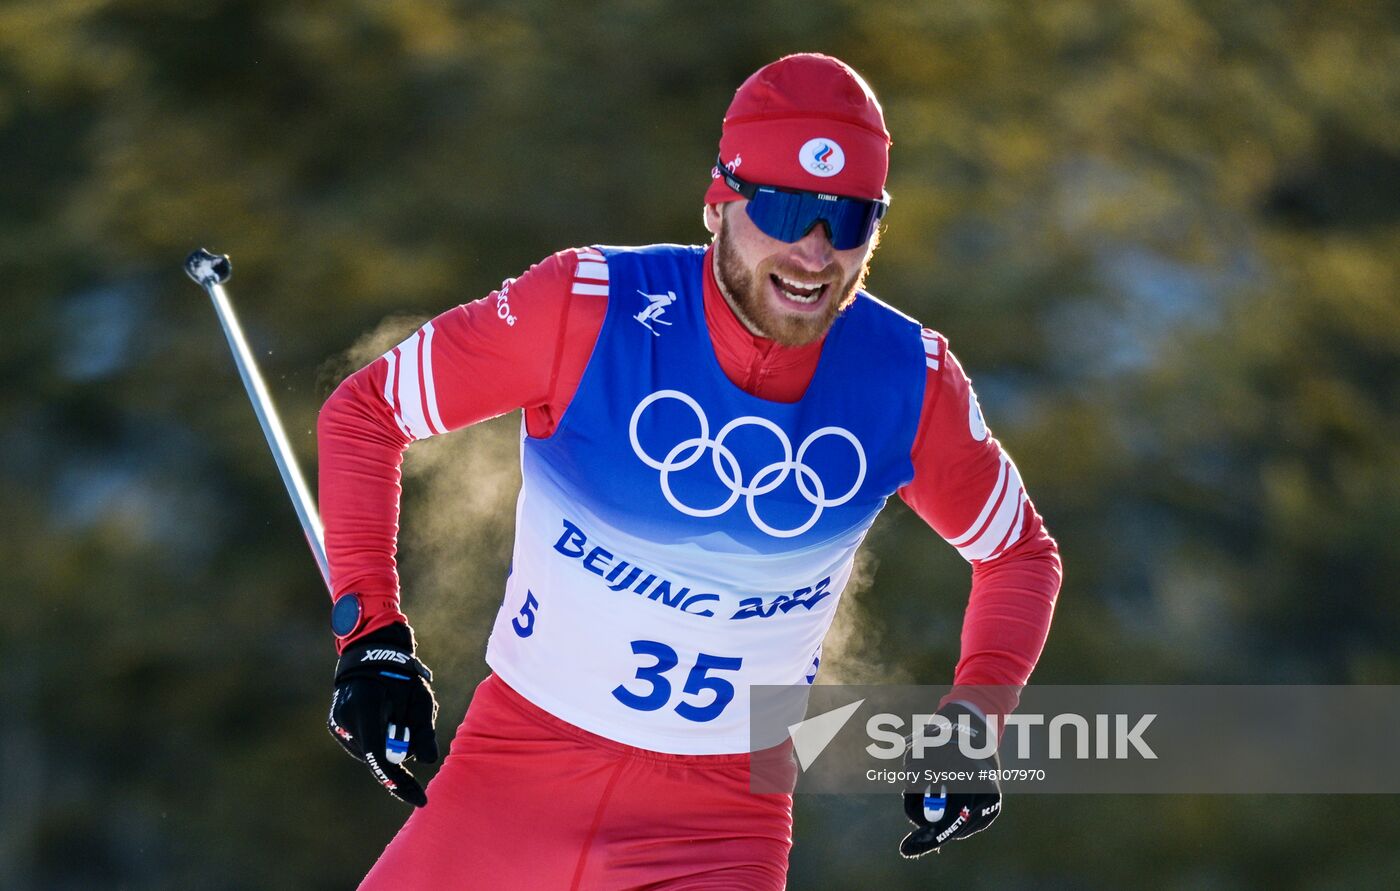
(693, 496)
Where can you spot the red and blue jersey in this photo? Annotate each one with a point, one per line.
(655, 477)
(673, 518)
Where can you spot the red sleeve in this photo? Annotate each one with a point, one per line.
(968, 489)
(524, 345)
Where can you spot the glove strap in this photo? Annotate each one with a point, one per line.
(387, 652)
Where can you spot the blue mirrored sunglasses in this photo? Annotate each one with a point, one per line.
(788, 215)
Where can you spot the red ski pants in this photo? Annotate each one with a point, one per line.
(526, 801)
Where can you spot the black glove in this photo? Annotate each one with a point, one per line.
(948, 811)
(383, 708)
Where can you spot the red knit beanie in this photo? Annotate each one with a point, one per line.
(808, 122)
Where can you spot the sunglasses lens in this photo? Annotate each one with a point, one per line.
(851, 223)
(788, 216)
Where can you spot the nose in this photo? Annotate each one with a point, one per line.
(813, 252)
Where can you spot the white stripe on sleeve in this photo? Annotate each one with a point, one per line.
(1015, 535)
(593, 270)
(409, 393)
(430, 389)
(931, 348)
(390, 382)
(1004, 507)
(977, 524)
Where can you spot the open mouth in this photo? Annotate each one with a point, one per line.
(797, 291)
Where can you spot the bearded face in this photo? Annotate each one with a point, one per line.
(789, 293)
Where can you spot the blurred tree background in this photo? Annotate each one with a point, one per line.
(1163, 236)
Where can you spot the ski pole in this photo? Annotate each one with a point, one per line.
(210, 271)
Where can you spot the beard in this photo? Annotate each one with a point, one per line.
(746, 290)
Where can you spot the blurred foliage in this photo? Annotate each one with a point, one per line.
(1163, 236)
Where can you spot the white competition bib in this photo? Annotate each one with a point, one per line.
(594, 631)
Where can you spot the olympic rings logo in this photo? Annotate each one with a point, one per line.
(687, 452)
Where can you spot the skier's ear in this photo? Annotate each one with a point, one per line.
(714, 220)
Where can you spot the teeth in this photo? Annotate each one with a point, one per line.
(802, 286)
(801, 292)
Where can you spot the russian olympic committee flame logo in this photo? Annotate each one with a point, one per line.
(687, 452)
